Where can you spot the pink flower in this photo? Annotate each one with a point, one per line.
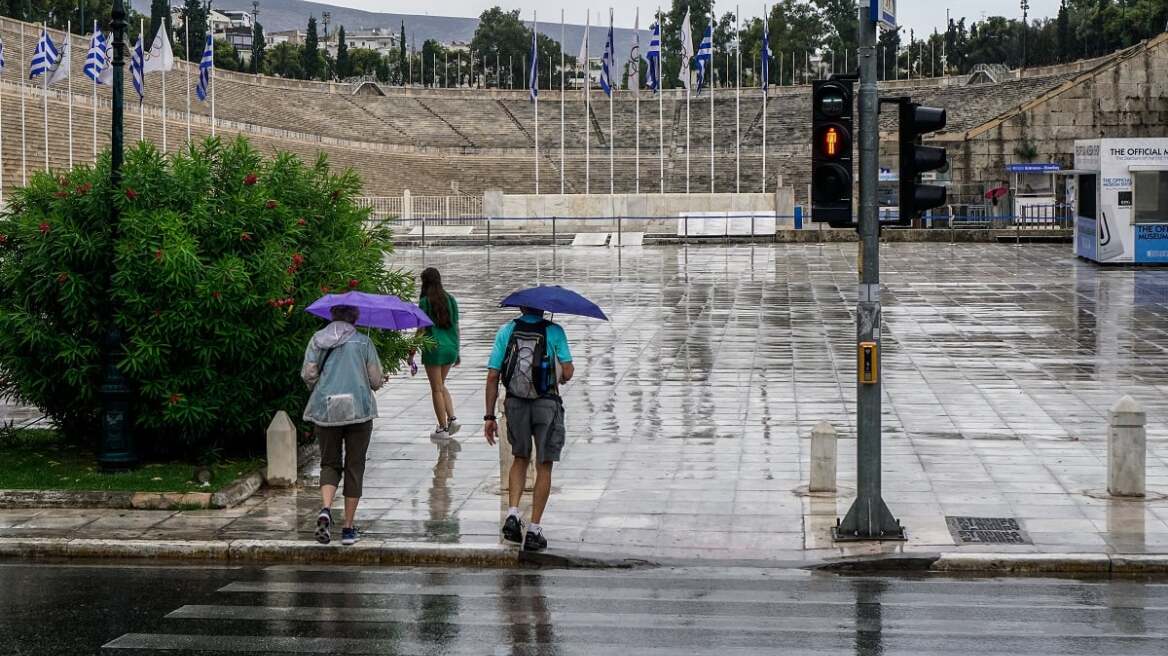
(131, 194)
(250, 179)
(353, 283)
(271, 204)
(44, 228)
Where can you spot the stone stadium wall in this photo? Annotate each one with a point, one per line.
(442, 141)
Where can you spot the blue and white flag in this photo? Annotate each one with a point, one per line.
(44, 57)
(533, 74)
(766, 54)
(1, 55)
(206, 64)
(137, 63)
(95, 61)
(705, 58)
(654, 56)
(608, 63)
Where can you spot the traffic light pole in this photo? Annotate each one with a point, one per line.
(869, 517)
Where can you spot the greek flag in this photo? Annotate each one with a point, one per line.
(533, 74)
(137, 63)
(766, 55)
(608, 63)
(1, 55)
(95, 61)
(654, 56)
(44, 57)
(205, 66)
(705, 58)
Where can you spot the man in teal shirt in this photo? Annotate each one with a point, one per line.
(537, 420)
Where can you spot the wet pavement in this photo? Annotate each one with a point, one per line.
(689, 418)
(174, 609)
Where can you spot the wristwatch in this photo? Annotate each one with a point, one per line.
(488, 417)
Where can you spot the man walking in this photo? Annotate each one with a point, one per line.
(532, 359)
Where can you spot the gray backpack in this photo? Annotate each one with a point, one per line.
(527, 371)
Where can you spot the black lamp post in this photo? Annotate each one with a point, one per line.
(117, 441)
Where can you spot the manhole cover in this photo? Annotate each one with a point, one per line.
(986, 530)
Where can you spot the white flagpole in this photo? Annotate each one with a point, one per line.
(635, 79)
(660, 109)
(611, 97)
(687, 135)
(766, 92)
(187, 45)
(211, 83)
(534, 81)
(23, 139)
(562, 62)
(95, 101)
(737, 103)
(141, 109)
(711, 76)
(587, 110)
(45, 103)
(161, 26)
(69, 88)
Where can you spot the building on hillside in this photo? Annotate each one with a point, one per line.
(219, 20)
(378, 39)
(239, 18)
(295, 37)
(240, 39)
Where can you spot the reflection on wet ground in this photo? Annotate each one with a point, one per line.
(689, 416)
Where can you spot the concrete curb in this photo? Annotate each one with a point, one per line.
(365, 552)
(232, 494)
(1019, 564)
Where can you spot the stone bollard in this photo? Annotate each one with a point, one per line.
(281, 451)
(1126, 448)
(823, 461)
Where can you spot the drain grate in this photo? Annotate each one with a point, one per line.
(986, 530)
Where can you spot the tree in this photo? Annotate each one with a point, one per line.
(501, 37)
(671, 35)
(365, 61)
(796, 30)
(285, 60)
(159, 15)
(887, 54)
(218, 252)
(195, 25)
(258, 45)
(434, 55)
(310, 63)
(225, 56)
(842, 26)
(402, 59)
(344, 67)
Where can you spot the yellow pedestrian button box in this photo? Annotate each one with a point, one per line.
(868, 363)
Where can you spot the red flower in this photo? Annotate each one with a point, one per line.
(84, 189)
(250, 179)
(175, 398)
(157, 313)
(63, 278)
(44, 228)
(131, 194)
(271, 204)
(324, 289)
(245, 236)
(216, 295)
(301, 221)
(3, 239)
(61, 194)
(353, 283)
(61, 180)
(158, 255)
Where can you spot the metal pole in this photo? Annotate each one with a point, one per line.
(868, 518)
(562, 61)
(117, 446)
(737, 104)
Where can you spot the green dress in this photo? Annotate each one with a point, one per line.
(445, 350)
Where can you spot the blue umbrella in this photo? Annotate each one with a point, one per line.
(554, 299)
(377, 310)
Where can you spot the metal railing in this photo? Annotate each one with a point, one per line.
(410, 210)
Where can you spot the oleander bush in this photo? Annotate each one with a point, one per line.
(219, 251)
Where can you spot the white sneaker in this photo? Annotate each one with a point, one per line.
(453, 427)
(440, 434)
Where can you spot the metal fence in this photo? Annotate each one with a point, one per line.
(975, 216)
(409, 211)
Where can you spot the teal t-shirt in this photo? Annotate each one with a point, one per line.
(557, 342)
(445, 350)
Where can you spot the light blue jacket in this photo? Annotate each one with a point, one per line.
(342, 392)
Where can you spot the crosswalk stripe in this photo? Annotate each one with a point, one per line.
(626, 621)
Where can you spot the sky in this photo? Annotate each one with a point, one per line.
(921, 15)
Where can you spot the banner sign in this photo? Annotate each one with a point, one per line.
(1033, 168)
(883, 12)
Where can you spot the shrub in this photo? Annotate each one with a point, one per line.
(219, 252)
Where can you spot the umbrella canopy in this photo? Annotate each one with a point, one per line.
(554, 299)
(377, 310)
(997, 192)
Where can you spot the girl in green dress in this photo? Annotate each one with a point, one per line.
(438, 359)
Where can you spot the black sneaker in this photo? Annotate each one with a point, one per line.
(534, 542)
(512, 531)
(324, 522)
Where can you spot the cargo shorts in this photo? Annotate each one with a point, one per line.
(535, 420)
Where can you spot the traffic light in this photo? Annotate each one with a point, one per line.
(915, 159)
(831, 152)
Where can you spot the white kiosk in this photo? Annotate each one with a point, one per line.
(1119, 190)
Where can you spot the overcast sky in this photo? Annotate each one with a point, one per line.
(921, 15)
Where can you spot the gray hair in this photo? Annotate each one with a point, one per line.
(346, 313)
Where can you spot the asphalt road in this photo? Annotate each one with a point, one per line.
(162, 608)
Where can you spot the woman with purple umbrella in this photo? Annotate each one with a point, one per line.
(342, 368)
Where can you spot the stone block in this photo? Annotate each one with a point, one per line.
(1126, 448)
(281, 451)
(823, 458)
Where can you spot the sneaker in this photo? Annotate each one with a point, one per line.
(453, 426)
(349, 536)
(534, 542)
(439, 434)
(512, 530)
(324, 522)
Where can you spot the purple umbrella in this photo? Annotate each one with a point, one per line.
(377, 310)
